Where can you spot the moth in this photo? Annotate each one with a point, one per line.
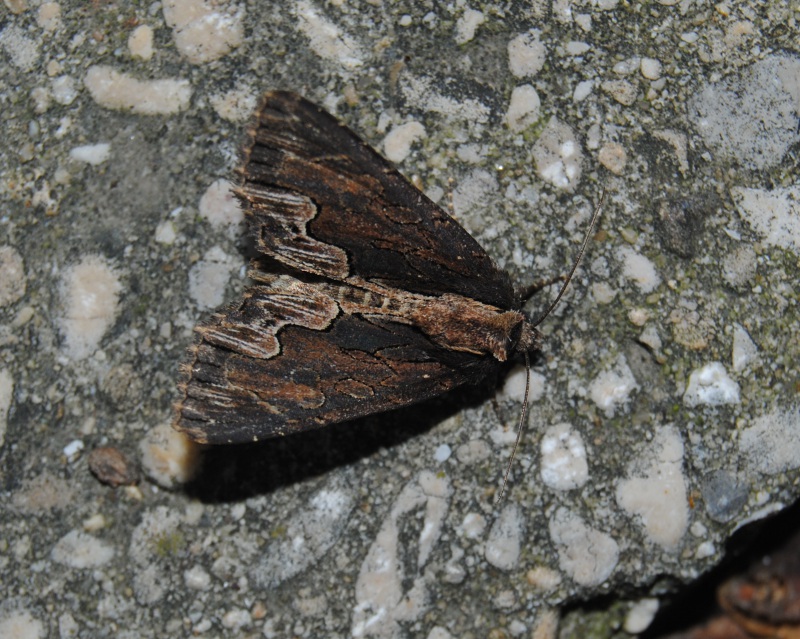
(366, 295)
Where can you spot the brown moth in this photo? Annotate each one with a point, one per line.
(367, 295)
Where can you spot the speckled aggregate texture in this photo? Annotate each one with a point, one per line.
(666, 410)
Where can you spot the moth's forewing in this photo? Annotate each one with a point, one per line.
(350, 201)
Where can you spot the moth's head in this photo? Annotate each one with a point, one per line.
(525, 337)
(515, 335)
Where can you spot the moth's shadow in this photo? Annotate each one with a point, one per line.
(232, 473)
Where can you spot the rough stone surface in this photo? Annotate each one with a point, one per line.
(370, 529)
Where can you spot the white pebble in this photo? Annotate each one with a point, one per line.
(710, 385)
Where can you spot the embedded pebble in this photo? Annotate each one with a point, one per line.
(237, 105)
(113, 467)
(49, 16)
(582, 90)
(526, 54)
(655, 490)
(651, 338)
(397, 143)
(467, 25)
(78, 549)
(586, 554)
(73, 450)
(140, 42)
(744, 351)
(63, 90)
(203, 31)
(325, 37)
(740, 266)
(613, 157)
(771, 445)
(651, 68)
(774, 215)
(90, 294)
(504, 541)
(20, 624)
(6, 395)
(750, 116)
(613, 387)
(115, 90)
(219, 206)
(711, 385)
(209, 277)
(621, 90)
(641, 615)
(524, 108)
(514, 385)
(442, 453)
(638, 269)
(168, 457)
(22, 51)
(93, 154)
(563, 462)
(13, 282)
(724, 495)
(558, 155)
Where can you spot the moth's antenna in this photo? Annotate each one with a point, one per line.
(524, 413)
(595, 215)
(522, 417)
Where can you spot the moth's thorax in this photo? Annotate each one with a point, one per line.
(452, 321)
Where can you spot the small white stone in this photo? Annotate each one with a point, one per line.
(710, 385)
(165, 233)
(651, 68)
(612, 388)
(524, 108)
(13, 282)
(504, 542)
(467, 25)
(442, 453)
(73, 450)
(586, 554)
(558, 155)
(78, 549)
(63, 90)
(744, 350)
(219, 206)
(706, 549)
(614, 157)
(93, 154)
(140, 42)
(204, 31)
(582, 90)
(90, 294)
(638, 269)
(641, 615)
(563, 465)
(114, 90)
(236, 619)
(197, 578)
(397, 143)
(651, 338)
(209, 277)
(526, 54)
(473, 525)
(577, 48)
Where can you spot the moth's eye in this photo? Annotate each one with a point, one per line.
(515, 333)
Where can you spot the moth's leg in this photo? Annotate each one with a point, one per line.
(529, 291)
